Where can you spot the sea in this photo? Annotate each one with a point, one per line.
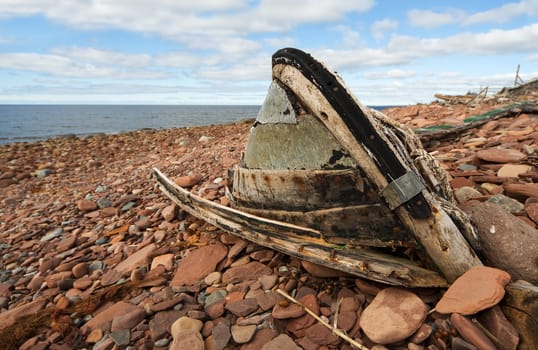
(27, 123)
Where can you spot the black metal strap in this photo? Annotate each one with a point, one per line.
(355, 119)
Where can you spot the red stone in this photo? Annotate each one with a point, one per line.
(471, 333)
(197, 264)
(86, 205)
(477, 289)
(501, 155)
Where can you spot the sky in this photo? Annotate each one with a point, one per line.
(219, 51)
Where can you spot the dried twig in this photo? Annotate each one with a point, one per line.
(335, 330)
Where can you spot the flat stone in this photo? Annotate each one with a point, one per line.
(167, 260)
(128, 320)
(197, 264)
(110, 277)
(458, 343)
(86, 205)
(140, 258)
(267, 299)
(121, 337)
(321, 335)
(321, 271)
(95, 336)
(221, 335)
(460, 182)
(184, 324)
(477, 289)
(393, 315)
(103, 319)
(508, 204)
(494, 320)
(465, 193)
(346, 320)
(213, 278)
(215, 309)
(501, 155)
(268, 281)
(261, 337)
(506, 242)
(523, 190)
(251, 271)
(188, 180)
(423, 333)
(281, 342)
(13, 315)
(243, 334)
(513, 170)
(284, 310)
(83, 283)
(471, 333)
(237, 248)
(532, 211)
(169, 213)
(80, 269)
(243, 307)
(161, 323)
(191, 340)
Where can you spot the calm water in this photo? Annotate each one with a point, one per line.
(20, 123)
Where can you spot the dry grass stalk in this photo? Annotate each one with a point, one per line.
(335, 330)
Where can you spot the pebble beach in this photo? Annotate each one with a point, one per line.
(94, 256)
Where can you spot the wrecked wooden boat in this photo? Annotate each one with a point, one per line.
(328, 180)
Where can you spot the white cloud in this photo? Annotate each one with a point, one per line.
(57, 65)
(279, 42)
(89, 54)
(504, 13)
(430, 19)
(177, 19)
(379, 28)
(407, 49)
(350, 37)
(390, 74)
(495, 41)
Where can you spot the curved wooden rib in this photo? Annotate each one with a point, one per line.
(304, 243)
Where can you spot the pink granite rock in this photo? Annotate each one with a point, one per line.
(86, 205)
(393, 315)
(197, 264)
(477, 289)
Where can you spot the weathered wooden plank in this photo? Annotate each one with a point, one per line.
(304, 243)
(299, 189)
(371, 225)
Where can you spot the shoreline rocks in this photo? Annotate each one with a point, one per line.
(106, 260)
